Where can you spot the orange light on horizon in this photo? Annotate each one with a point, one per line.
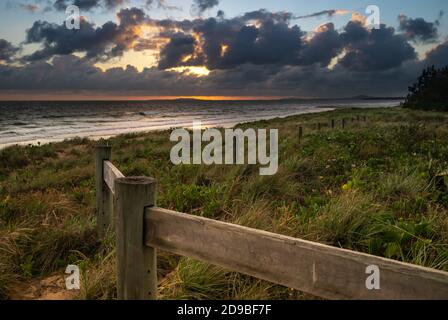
(106, 97)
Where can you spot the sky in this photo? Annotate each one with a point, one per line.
(218, 48)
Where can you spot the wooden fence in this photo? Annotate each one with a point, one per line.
(129, 204)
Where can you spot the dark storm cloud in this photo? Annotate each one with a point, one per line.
(161, 4)
(419, 30)
(327, 13)
(203, 5)
(264, 15)
(231, 25)
(62, 5)
(438, 56)
(109, 40)
(354, 33)
(259, 51)
(7, 50)
(323, 47)
(180, 46)
(73, 73)
(264, 38)
(272, 41)
(342, 82)
(131, 17)
(110, 4)
(87, 5)
(378, 49)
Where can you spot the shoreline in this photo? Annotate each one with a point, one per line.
(229, 124)
(98, 135)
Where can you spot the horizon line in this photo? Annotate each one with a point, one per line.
(72, 98)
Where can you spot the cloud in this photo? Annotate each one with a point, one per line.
(98, 43)
(87, 5)
(419, 30)
(200, 6)
(7, 50)
(376, 49)
(74, 73)
(257, 37)
(27, 5)
(161, 4)
(111, 4)
(322, 47)
(61, 5)
(259, 51)
(438, 56)
(30, 7)
(265, 38)
(327, 13)
(180, 49)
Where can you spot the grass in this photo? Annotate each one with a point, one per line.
(371, 187)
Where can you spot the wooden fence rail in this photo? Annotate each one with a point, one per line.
(329, 272)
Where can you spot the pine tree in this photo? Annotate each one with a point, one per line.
(430, 92)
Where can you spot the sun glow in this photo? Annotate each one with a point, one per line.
(336, 60)
(224, 49)
(357, 17)
(186, 58)
(138, 59)
(254, 23)
(190, 70)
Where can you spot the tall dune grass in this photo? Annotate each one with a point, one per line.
(371, 187)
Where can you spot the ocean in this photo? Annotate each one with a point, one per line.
(42, 122)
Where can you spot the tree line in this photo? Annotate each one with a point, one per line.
(430, 92)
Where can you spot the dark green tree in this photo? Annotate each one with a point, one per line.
(430, 92)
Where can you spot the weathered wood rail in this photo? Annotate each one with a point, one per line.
(129, 204)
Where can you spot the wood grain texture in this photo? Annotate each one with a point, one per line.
(314, 268)
(136, 263)
(110, 174)
(103, 196)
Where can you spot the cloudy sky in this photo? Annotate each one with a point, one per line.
(221, 48)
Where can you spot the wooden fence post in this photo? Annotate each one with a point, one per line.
(343, 123)
(136, 263)
(234, 141)
(300, 134)
(319, 126)
(103, 195)
(332, 123)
